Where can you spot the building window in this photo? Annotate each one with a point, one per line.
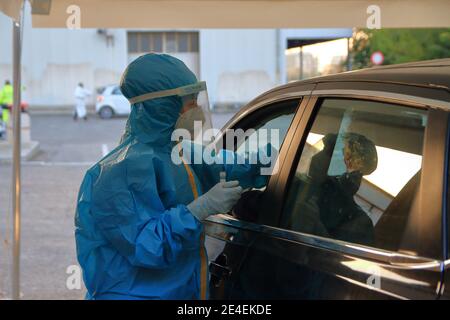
(133, 42)
(315, 57)
(170, 42)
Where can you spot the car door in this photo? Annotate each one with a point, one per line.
(340, 235)
(226, 242)
(446, 220)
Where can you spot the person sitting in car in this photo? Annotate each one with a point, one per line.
(329, 209)
(341, 216)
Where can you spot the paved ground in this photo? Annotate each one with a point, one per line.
(50, 186)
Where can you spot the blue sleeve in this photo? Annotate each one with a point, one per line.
(129, 212)
(247, 172)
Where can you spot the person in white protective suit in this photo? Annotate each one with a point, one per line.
(80, 102)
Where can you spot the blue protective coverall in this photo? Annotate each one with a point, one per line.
(135, 237)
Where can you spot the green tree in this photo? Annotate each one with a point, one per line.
(399, 45)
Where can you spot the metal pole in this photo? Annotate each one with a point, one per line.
(16, 184)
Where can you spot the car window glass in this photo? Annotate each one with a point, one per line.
(117, 91)
(277, 125)
(269, 125)
(266, 126)
(358, 173)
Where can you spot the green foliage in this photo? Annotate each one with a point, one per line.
(400, 45)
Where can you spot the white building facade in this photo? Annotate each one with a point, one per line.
(237, 64)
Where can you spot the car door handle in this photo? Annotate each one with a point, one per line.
(219, 270)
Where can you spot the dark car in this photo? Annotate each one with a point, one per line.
(358, 206)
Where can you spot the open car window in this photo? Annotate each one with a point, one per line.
(270, 124)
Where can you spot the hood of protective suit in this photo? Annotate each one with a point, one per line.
(153, 121)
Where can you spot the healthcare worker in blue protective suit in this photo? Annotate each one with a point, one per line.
(138, 220)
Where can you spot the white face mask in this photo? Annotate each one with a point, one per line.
(190, 118)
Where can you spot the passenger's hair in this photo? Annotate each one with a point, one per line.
(363, 149)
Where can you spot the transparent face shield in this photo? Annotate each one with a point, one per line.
(195, 117)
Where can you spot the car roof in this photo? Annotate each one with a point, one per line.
(108, 89)
(431, 73)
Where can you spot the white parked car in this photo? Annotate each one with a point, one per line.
(111, 102)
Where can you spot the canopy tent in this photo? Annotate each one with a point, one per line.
(200, 14)
(234, 13)
(11, 8)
